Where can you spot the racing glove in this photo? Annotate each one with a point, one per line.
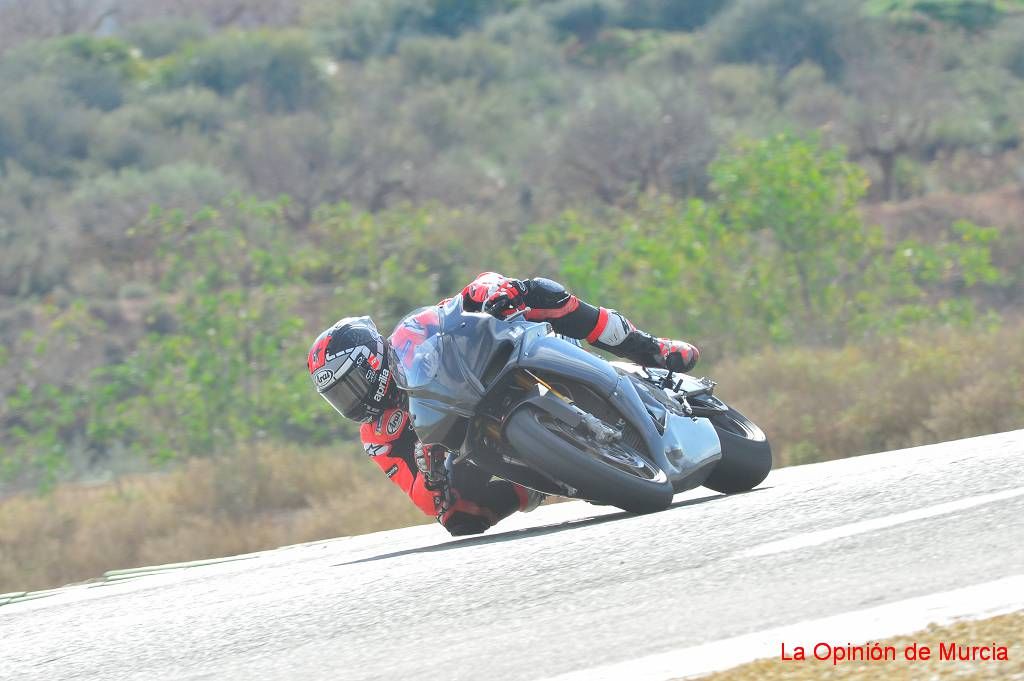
(508, 298)
(495, 294)
(430, 462)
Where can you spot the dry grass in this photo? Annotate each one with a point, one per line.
(207, 508)
(818, 405)
(1007, 630)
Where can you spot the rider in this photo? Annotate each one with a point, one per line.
(349, 366)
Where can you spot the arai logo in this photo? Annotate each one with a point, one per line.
(323, 377)
(395, 422)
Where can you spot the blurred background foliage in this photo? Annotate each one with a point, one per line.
(826, 196)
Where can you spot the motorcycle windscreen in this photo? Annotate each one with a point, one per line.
(429, 368)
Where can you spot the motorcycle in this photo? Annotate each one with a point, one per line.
(524, 404)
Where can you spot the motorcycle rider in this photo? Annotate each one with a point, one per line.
(350, 367)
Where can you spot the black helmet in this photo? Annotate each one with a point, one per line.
(349, 367)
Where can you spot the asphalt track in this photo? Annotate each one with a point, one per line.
(569, 587)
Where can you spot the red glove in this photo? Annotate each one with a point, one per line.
(508, 298)
(495, 294)
(430, 462)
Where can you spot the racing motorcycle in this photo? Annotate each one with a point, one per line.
(535, 408)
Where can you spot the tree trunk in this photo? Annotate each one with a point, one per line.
(887, 161)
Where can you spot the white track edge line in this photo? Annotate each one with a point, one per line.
(807, 539)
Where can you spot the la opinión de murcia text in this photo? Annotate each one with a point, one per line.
(876, 652)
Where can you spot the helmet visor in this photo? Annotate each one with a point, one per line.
(348, 393)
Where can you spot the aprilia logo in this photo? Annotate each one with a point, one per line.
(382, 386)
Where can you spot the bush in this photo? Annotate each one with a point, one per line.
(1014, 59)
(373, 28)
(623, 142)
(279, 69)
(397, 260)
(744, 91)
(97, 72)
(967, 15)
(161, 38)
(108, 208)
(438, 60)
(294, 156)
(583, 19)
(43, 129)
(34, 255)
(188, 109)
(670, 15)
(784, 33)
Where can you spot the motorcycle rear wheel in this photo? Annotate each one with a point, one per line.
(746, 455)
(602, 476)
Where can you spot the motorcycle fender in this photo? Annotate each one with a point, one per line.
(629, 402)
(693, 447)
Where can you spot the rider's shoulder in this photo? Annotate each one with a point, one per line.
(387, 427)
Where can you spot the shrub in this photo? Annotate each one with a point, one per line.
(670, 15)
(783, 33)
(1014, 58)
(623, 142)
(745, 91)
(396, 260)
(96, 72)
(188, 109)
(279, 69)
(438, 60)
(583, 19)
(34, 254)
(43, 129)
(968, 15)
(107, 208)
(161, 38)
(373, 28)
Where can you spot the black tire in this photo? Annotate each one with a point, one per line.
(746, 455)
(535, 438)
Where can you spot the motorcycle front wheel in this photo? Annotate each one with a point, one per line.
(746, 455)
(614, 474)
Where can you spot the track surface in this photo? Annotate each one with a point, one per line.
(568, 587)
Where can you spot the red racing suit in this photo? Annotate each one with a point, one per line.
(473, 501)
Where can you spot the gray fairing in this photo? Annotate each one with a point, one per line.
(442, 408)
(691, 444)
(553, 355)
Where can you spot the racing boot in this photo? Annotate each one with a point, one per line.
(616, 334)
(676, 355)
